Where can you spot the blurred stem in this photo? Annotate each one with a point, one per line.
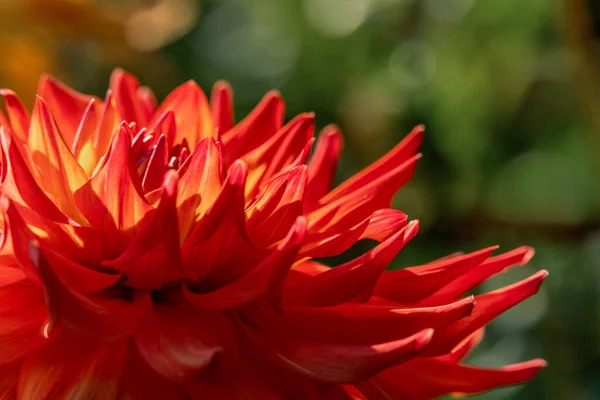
(585, 65)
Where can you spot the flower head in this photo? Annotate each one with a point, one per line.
(163, 252)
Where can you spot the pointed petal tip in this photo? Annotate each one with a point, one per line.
(238, 172)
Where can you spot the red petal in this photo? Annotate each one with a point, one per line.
(79, 278)
(221, 229)
(22, 314)
(399, 155)
(272, 215)
(479, 273)
(426, 378)
(111, 200)
(99, 317)
(278, 152)
(342, 363)
(384, 223)
(140, 382)
(261, 280)
(157, 166)
(345, 211)
(321, 169)
(67, 105)
(152, 257)
(255, 129)
(192, 114)
(353, 280)
(356, 323)
(488, 306)
(66, 368)
(221, 104)
(181, 342)
(416, 283)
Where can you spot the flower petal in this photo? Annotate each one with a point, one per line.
(353, 280)
(261, 280)
(100, 317)
(321, 168)
(67, 105)
(221, 106)
(181, 342)
(66, 368)
(417, 283)
(426, 378)
(17, 114)
(262, 123)
(200, 184)
(487, 307)
(150, 260)
(341, 363)
(53, 165)
(125, 87)
(192, 114)
(111, 200)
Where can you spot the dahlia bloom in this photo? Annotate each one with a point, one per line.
(164, 252)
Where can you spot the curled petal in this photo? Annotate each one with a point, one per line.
(68, 106)
(341, 363)
(357, 323)
(488, 306)
(180, 342)
(100, 317)
(150, 260)
(417, 283)
(17, 114)
(353, 280)
(426, 378)
(477, 274)
(65, 368)
(261, 280)
(111, 200)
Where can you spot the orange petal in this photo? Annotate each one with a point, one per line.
(200, 184)
(151, 260)
(67, 105)
(17, 114)
(192, 114)
(83, 146)
(55, 168)
(111, 200)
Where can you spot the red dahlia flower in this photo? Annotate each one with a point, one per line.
(164, 252)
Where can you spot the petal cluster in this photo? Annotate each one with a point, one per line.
(164, 251)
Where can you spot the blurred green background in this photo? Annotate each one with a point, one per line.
(509, 91)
